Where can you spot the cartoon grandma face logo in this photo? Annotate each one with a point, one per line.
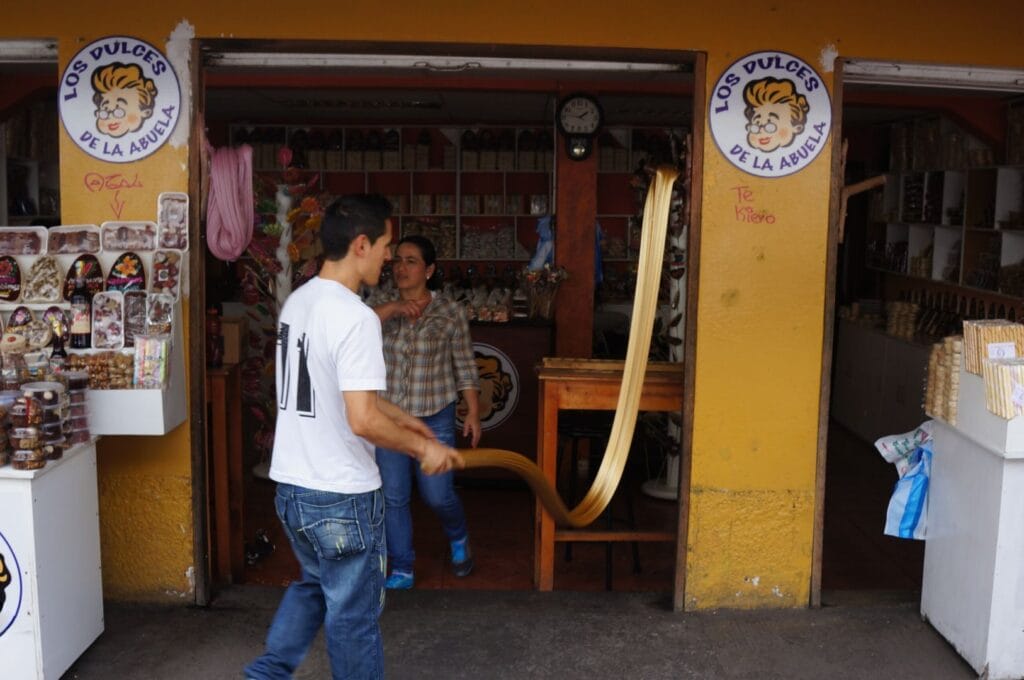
(124, 98)
(499, 387)
(119, 99)
(770, 114)
(10, 586)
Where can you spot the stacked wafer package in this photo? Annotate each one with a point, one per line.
(1004, 386)
(991, 339)
(943, 388)
(994, 349)
(901, 319)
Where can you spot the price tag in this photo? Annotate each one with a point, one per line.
(1002, 350)
(1018, 394)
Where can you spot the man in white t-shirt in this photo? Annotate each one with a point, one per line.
(330, 367)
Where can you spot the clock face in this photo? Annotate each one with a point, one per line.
(579, 115)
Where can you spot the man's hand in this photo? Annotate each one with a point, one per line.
(437, 458)
(410, 309)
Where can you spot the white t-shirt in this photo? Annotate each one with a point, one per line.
(328, 342)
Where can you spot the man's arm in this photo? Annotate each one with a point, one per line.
(387, 426)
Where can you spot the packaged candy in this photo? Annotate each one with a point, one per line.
(42, 284)
(73, 240)
(77, 380)
(136, 236)
(28, 459)
(26, 412)
(159, 313)
(134, 316)
(10, 279)
(108, 320)
(152, 356)
(23, 241)
(172, 219)
(166, 272)
(127, 273)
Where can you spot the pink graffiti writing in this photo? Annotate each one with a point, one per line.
(747, 213)
(95, 182)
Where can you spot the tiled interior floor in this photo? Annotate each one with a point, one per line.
(856, 555)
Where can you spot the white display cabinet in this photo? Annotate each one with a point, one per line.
(974, 553)
(50, 543)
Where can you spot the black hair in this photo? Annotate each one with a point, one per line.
(350, 216)
(427, 251)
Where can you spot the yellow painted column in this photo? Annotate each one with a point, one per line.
(759, 343)
(145, 488)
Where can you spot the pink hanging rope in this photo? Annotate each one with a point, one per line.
(229, 211)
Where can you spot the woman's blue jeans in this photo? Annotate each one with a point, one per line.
(339, 542)
(437, 491)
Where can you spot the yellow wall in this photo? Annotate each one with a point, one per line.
(761, 289)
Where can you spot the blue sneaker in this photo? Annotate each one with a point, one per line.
(462, 558)
(399, 580)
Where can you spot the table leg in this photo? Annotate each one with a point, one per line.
(236, 482)
(547, 459)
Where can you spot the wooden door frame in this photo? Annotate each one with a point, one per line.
(197, 335)
(828, 330)
(699, 62)
(690, 336)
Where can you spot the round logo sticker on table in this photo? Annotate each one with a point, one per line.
(499, 387)
(10, 585)
(119, 99)
(770, 114)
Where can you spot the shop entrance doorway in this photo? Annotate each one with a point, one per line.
(467, 150)
(912, 256)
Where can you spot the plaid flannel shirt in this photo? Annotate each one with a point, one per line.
(430, 361)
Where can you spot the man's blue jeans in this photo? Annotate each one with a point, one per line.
(437, 491)
(339, 542)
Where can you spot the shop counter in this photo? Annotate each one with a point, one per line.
(52, 591)
(973, 577)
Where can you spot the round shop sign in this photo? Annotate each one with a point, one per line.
(119, 99)
(10, 585)
(770, 114)
(499, 387)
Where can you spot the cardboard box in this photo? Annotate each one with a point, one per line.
(235, 331)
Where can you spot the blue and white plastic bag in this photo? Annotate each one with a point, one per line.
(907, 515)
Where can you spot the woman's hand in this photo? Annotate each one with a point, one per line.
(471, 428)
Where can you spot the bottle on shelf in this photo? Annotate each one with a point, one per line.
(81, 316)
(58, 355)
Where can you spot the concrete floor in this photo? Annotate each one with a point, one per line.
(442, 634)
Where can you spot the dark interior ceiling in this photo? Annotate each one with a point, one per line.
(414, 96)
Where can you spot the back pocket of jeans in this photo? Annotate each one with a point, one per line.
(333, 529)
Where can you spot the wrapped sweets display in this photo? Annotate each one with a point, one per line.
(943, 387)
(1004, 386)
(991, 339)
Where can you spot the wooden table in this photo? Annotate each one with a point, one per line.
(224, 405)
(587, 384)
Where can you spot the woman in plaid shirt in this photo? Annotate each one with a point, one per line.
(429, 357)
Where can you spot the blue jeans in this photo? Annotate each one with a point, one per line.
(437, 491)
(339, 542)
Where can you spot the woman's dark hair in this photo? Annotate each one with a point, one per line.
(348, 217)
(428, 252)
